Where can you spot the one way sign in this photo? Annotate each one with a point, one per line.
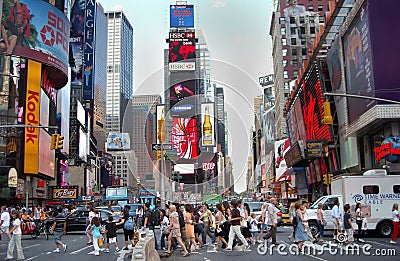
(164, 146)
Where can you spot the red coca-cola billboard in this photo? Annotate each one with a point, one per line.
(184, 138)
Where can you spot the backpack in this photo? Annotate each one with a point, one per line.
(155, 218)
(129, 225)
(181, 219)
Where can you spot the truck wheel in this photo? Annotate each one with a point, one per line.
(314, 228)
(385, 229)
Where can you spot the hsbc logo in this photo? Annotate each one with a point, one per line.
(188, 66)
(181, 35)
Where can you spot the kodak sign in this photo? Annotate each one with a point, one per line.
(32, 115)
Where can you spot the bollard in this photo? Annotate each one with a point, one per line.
(145, 248)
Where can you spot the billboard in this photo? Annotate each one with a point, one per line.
(83, 141)
(80, 113)
(184, 168)
(88, 51)
(208, 124)
(281, 147)
(182, 46)
(116, 193)
(296, 123)
(181, 16)
(46, 156)
(358, 60)
(70, 192)
(32, 115)
(38, 31)
(118, 141)
(266, 80)
(184, 138)
(161, 133)
(182, 98)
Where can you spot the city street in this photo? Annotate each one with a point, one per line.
(321, 253)
(42, 249)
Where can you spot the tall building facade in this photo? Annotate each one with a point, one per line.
(293, 28)
(221, 122)
(119, 68)
(140, 114)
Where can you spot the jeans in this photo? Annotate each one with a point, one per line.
(163, 237)
(235, 230)
(321, 229)
(15, 240)
(154, 233)
(200, 227)
(57, 237)
(208, 231)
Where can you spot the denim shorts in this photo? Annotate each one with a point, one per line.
(57, 237)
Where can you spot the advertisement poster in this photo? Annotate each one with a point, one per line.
(184, 138)
(358, 60)
(65, 192)
(181, 16)
(161, 133)
(281, 147)
(208, 124)
(182, 46)
(40, 32)
(118, 141)
(182, 99)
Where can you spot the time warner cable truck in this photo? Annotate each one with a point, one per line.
(375, 190)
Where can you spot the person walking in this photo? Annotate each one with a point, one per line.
(235, 227)
(293, 220)
(246, 229)
(348, 226)
(207, 221)
(301, 234)
(189, 221)
(336, 219)
(164, 226)
(96, 234)
(174, 231)
(15, 239)
(59, 228)
(89, 222)
(220, 220)
(4, 221)
(321, 222)
(359, 222)
(128, 227)
(139, 217)
(273, 219)
(263, 222)
(395, 217)
(111, 233)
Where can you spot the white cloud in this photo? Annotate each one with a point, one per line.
(219, 4)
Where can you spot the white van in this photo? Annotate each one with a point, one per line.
(376, 191)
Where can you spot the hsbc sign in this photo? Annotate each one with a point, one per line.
(181, 35)
(189, 66)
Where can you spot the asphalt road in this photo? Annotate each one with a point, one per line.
(373, 248)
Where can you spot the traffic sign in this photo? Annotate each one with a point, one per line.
(161, 146)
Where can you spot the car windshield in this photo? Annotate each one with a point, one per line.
(315, 205)
(255, 206)
(116, 208)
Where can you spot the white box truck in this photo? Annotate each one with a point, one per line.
(375, 190)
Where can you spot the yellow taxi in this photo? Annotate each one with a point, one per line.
(285, 216)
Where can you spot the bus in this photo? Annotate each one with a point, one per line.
(145, 196)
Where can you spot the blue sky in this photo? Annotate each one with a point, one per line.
(238, 38)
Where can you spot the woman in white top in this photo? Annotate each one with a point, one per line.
(359, 222)
(263, 221)
(15, 239)
(164, 227)
(395, 216)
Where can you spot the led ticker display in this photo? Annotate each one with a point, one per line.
(181, 16)
(182, 46)
(184, 138)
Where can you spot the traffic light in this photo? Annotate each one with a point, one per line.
(53, 141)
(327, 114)
(326, 177)
(59, 141)
(330, 176)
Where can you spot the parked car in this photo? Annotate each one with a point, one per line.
(77, 220)
(256, 208)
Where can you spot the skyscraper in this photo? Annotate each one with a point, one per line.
(119, 68)
(293, 27)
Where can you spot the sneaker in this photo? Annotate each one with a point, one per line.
(228, 249)
(164, 248)
(125, 248)
(57, 250)
(107, 250)
(65, 247)
(247, 247)
(260, 241)
(116, 250)
(361, 240)
(89, 243)
(392, 242)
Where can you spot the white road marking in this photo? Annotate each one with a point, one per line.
(31, 258)
(79, 250)
(30, 246)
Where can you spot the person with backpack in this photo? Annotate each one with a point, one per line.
(151, 220)
(128, 227)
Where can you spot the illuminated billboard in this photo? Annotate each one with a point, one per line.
(208, 124)
(182, 98)
(358, 60)
(181, 16)
(39, 31)
(161, 133)
(118, 141)
(184, 138)
(281, 147)
(88, 51)
(46, 156)
(182, 46)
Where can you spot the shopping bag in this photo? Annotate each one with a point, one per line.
(364, 224)
(101, 241)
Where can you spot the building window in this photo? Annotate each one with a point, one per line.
(303, 51)
(310, 8)
(320, 8)
(286, 85)
(396, 189)
(292, 20)
(321, 19)
(302, 19)
(302, 30)
(371, 189)
(293, 62)
(295, 74)
(294, 52)
(284, 63)
(286, 95)
(284, 52)
(293, 41)
(292, 30)
(303, 41)
(312, 30)
(285, 74)
(284, 42)
(282, 20)
(283, 31)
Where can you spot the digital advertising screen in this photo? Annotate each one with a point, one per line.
(208, 124)
(181, 16)
(46, 156)
(182, 46)
(118, 141)
(182, 98)
(39, 31)
(184, 138)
